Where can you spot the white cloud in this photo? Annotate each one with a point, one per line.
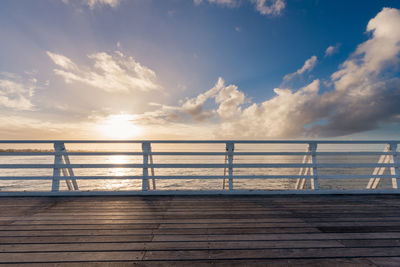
(332, 49)
(372, 56)
(62, 61)
(284, 115)
(366, 92)
(92, 4)
(309, 64)
(269, 7)
(16, 92)
(364, 95)
(227, 97)
(218, 2)
(264, 7)
(110, 72)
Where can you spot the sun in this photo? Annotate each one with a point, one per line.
(118, 126)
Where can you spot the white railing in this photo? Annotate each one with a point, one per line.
(385, 167)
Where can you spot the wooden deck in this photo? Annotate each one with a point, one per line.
(341, 230)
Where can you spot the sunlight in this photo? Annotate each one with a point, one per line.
(119, 159)
(118, 126)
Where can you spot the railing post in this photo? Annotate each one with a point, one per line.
(55, 187)
(230, 147)
(314, 180)
(71, 183)
(395, 169)
(146, 151)
(152, 168)
(69, 171)
(300, 183)
(383, 159)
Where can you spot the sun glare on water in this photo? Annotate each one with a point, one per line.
(118, 126)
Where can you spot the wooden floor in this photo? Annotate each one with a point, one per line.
(355, 230)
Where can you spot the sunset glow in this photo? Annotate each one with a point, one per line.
(119, 126)
(199, 69)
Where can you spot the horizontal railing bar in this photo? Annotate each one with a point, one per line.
(350, 153)
(204, 165)
(29, 177)
(70, 153)
(200, 141)
(199, 177)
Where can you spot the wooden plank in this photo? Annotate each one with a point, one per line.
(61, 225)
(197, 255)
(330, 262)
(172, 214)
(385, 261)
(190, 231)
(121, 246)
(73, 239)
(75, 232)
(292, 253)
(371, 242)
(166, 226)
(201, 229)
(70, 256)
(197, 238)
(289, 236)
(359, 229)
(166, 221)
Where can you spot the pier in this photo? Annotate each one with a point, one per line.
(68, 221)
(325, 230)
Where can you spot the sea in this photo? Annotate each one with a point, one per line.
(188, 184)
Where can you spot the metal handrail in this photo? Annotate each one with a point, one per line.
(63, 168)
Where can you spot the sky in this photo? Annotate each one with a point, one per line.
(199, 69)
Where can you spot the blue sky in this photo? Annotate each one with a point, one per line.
(208, 69)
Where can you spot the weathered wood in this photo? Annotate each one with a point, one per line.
(346, 262)
(121, 246)
(201, 230)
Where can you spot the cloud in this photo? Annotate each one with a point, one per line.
(23, 127)
(110, 72)
(62, 61)
(309, 64)
(227, 99)
(269, 7)
(365, 93)
(16, 92)
(230, 100)
(285, 115)
(92, 4)
(230, 3)
(264, 7)
(332, 49)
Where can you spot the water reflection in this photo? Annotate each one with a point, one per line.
(118, 159)
(175, 184)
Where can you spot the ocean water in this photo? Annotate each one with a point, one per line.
(189, 184)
